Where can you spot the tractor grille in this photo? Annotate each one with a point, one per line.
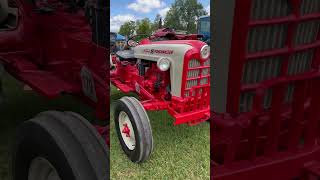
(306, 32)
(289, 93)
(309, 6)
(262, 69)
(264, 38)
(246, 100)
(256, 71)
(272, 38)
(198, 74)
(300, 62)
(263, 9)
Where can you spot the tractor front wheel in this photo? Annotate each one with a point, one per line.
(133, 129)
(59, 146)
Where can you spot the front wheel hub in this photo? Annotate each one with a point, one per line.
(127, 131)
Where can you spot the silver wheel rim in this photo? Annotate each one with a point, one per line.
(126, 130)
(42, 169)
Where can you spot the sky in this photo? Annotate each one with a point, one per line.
(130, 10)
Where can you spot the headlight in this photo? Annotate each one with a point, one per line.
(205, 52)
(163, 64)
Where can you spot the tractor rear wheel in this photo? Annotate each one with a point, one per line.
(58, 146)
(133, 129)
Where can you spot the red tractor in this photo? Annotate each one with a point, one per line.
(55, 49)
(170, 75)
(266, 102)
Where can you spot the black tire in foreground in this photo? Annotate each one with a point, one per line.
(60, 146)
(133, 129)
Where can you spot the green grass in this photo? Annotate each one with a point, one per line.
(180, 152)
(20, 105)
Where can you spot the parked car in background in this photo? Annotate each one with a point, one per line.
(203, 28)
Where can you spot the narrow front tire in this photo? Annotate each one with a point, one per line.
(133, 129)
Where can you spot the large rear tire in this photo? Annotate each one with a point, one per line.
(133, 129)
(60, 146)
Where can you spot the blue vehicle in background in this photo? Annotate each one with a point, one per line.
(203, 27)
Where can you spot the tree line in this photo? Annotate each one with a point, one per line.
(182, 15)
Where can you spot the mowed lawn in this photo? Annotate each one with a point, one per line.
(20, 105)
(180, 152)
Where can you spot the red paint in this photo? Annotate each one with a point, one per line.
(126, 130)
(104, 132)
(47, 52)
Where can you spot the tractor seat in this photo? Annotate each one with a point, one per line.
(125, 54)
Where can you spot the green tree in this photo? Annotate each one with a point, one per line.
(183, 15)
(127, 29)
(144, 26)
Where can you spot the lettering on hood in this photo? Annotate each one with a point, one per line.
(157, 51)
